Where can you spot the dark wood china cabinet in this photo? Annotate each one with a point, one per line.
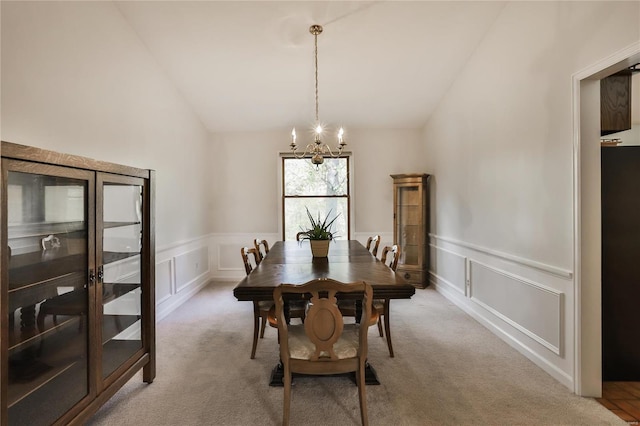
(77, 295)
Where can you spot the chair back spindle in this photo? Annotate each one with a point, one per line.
(391, 261)
(372, 244)
(262, 247)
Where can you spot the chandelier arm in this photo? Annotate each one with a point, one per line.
(310, 149)
(328, 150)
(299, 157)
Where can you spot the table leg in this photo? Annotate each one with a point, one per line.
(276, 375)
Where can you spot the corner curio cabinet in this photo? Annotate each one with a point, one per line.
(411, 226)
(77, 306)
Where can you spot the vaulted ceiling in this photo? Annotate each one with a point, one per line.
(248, 66)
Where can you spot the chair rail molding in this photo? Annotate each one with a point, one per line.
(551, 269)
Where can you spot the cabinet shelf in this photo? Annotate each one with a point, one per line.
(37, 366)
(116, 324)
(19, 342)
(51, 259)
(36, 292)
(42, 229)
(24, 406)
(113, 291)
(113, 256)
(109, 225)
(46, 374)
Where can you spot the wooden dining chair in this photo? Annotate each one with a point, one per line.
(347, 307)
(324, 344)
(264, 310)
(262, 246)
(261, 308)
(372, 244)
(390, 256)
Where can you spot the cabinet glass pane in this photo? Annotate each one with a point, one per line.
(121, 284)
(409, 224)
(48, 300)
(409, 196)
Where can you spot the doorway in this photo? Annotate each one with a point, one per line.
(588, 219)
(620, 262)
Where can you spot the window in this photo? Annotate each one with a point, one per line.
(323, 190)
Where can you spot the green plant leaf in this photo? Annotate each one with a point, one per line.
(320, 229)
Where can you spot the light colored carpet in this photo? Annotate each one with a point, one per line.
(447, 370)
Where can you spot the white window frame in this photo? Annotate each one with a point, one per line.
(350, 196)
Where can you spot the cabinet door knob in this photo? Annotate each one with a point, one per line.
(92, 277)
(407, 276)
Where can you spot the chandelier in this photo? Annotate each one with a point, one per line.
(317, 150)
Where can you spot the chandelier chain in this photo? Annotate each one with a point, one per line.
(315, 36)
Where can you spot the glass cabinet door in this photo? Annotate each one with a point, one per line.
(49, 289)
(409, 222)
(120, 227)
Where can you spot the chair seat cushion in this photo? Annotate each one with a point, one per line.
(301, 347)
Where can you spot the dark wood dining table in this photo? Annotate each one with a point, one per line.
(348, 261)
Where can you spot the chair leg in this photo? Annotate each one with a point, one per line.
(287, 395)
(380, 327)
(263, 326)
(362, 395)
(387, 327)
(256, 326)
(40, 321)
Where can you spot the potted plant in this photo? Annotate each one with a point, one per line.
(319, 234)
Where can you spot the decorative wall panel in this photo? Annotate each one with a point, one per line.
(449, 267)
(529, 307)
(163, 281)
(191, 265)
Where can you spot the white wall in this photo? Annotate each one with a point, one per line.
(76, 79)
(247, 191)
(500, 146)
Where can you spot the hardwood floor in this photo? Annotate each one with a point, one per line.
(623, 399)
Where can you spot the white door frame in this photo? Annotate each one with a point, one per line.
(587, 218)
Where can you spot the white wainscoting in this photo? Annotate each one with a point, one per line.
(225, 253)
(521, 301)
(182, 269)
(450, 267)
(504, 295)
